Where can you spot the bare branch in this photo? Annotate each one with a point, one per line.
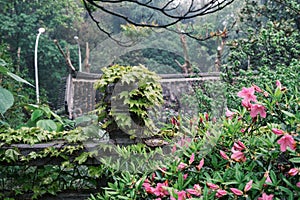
(66, 56)
(172, 11)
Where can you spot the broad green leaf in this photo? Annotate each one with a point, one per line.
(6, 100)
(36, 114)
(47, 124)
(82, 119)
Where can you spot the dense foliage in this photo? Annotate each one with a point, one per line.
(129, 94)
(255, 155)
(20, 21)
(249, 152)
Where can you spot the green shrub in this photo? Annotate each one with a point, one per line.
(128, 95)
(253, 157)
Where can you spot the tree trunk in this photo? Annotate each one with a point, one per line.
(86, 60)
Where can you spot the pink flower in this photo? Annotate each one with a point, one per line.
(201, 163)
(293, 171)
(277, 131)
(286, 141)
(258, 109)
(268, 179)
(153, 176)
(236, 191)
(266, 197)
(174, 148)
(257, 89)
(266, 94)
(248, 186)
(160, 190)
(239, 146)
(246, 104)
(212, 186)
(181, 195)
(278, 84)
(247, 94)
(223, 155)
(184, 142)
(192, 158)
(238, 156)
(229, 114)
(182, 166)
(220, 193)
(148, 188)
(298, 184)
(185, 176)
(196, 191)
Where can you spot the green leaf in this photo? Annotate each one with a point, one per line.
(6, 100)
(288, 113)
(295, 160)
(3, 70)
(12, 154)
(287, 191)
(36, 114)
(82, 158)
(47, 124)
(18, 78)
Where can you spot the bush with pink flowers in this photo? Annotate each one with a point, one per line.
(253, 153)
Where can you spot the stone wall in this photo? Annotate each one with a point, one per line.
(80, 96)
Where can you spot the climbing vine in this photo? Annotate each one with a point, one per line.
(129, 93)
(32, 171)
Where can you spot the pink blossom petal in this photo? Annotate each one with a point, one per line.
(238, 156)
(223, 155)
(236, 191)
(246, 104)
(212, 186)
(247, 94)
(192, 158)
(181, 195)
(293, 171)
(229, 114)
(257, 89)
(248, 186)
(277, 131)
(185, 176)
(258, 109)
(220, 193)
(201, 163)
(278, 84)
(266, 197)
(182, 166)
(286, 141)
